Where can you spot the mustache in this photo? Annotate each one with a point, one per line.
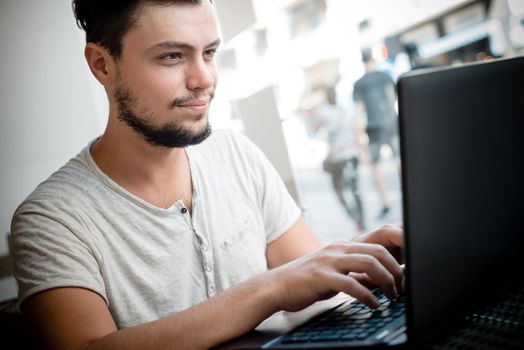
(184, 99)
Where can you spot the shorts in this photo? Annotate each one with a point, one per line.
(379, 137)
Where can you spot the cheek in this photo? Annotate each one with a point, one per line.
(215, 77)
(213, 72)
(161, 81)
(158, 87)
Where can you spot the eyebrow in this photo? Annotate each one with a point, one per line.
(180, 45)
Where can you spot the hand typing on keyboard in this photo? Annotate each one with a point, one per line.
(351, 267)
(351, 321)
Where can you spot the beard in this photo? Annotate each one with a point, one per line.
(171, 134)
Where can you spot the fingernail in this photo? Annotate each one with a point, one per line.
(376, 303)
(395, 293)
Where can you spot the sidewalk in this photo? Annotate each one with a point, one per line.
(325, 215)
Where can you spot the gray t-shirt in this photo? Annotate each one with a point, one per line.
(377, 91)
(340, 126)
(80, 228)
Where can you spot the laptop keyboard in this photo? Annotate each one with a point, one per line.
(351, 322)
(499, 325)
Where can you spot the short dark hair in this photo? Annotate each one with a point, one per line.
(107, 21)
(366, 54)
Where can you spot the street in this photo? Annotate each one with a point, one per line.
(326, 216)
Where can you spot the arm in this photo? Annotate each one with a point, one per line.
(75, 318)
(298, 241)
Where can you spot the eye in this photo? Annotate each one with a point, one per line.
(210, 52)
(172, 56)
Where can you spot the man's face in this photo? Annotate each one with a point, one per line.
(166, 73)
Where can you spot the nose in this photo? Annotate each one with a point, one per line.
(200, 74)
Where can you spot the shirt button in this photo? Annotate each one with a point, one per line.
(208, 268)
(183, 210)
(204, 247)
(211, 289)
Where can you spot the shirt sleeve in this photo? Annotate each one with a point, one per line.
(49, 250)
(279, 210)
(357, 92)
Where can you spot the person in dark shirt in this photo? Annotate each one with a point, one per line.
(375, 94)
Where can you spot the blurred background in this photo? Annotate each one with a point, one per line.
(277, 58)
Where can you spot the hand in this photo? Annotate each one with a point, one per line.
(341, 267)
(392, 238)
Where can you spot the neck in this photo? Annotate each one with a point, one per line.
(143, 169)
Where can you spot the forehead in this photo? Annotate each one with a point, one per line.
(182, 22)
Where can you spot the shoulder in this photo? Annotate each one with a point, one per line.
(383, 75)
(365, 80)
(62, 189)
(358, 83)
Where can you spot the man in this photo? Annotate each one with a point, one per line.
(157, 236)
(375, 94)
(342, 160)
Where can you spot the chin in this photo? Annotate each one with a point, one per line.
(198, 124)
(201, 130)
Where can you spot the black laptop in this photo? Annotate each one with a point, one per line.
(462, 155)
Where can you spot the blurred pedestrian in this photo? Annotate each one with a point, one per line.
(342, 160)
(375, 96)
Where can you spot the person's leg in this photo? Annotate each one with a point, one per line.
(351, 175)
(394, 143)
(337, 180)
(374, 150)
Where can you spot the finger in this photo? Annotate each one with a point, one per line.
(364, 279)
(393, 235)
(350, 286)
(382, 255)
(402, 287)
(398, 254)
(368, 264)
(378, 252)
(386, 235)
(399, 225)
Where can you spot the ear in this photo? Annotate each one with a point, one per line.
(100, 62)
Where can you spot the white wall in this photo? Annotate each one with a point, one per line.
(47, 106)
(263, 125)
(231, 23)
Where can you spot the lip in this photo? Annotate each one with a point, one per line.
(196, 105)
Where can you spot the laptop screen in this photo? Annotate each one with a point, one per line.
(462, 153)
